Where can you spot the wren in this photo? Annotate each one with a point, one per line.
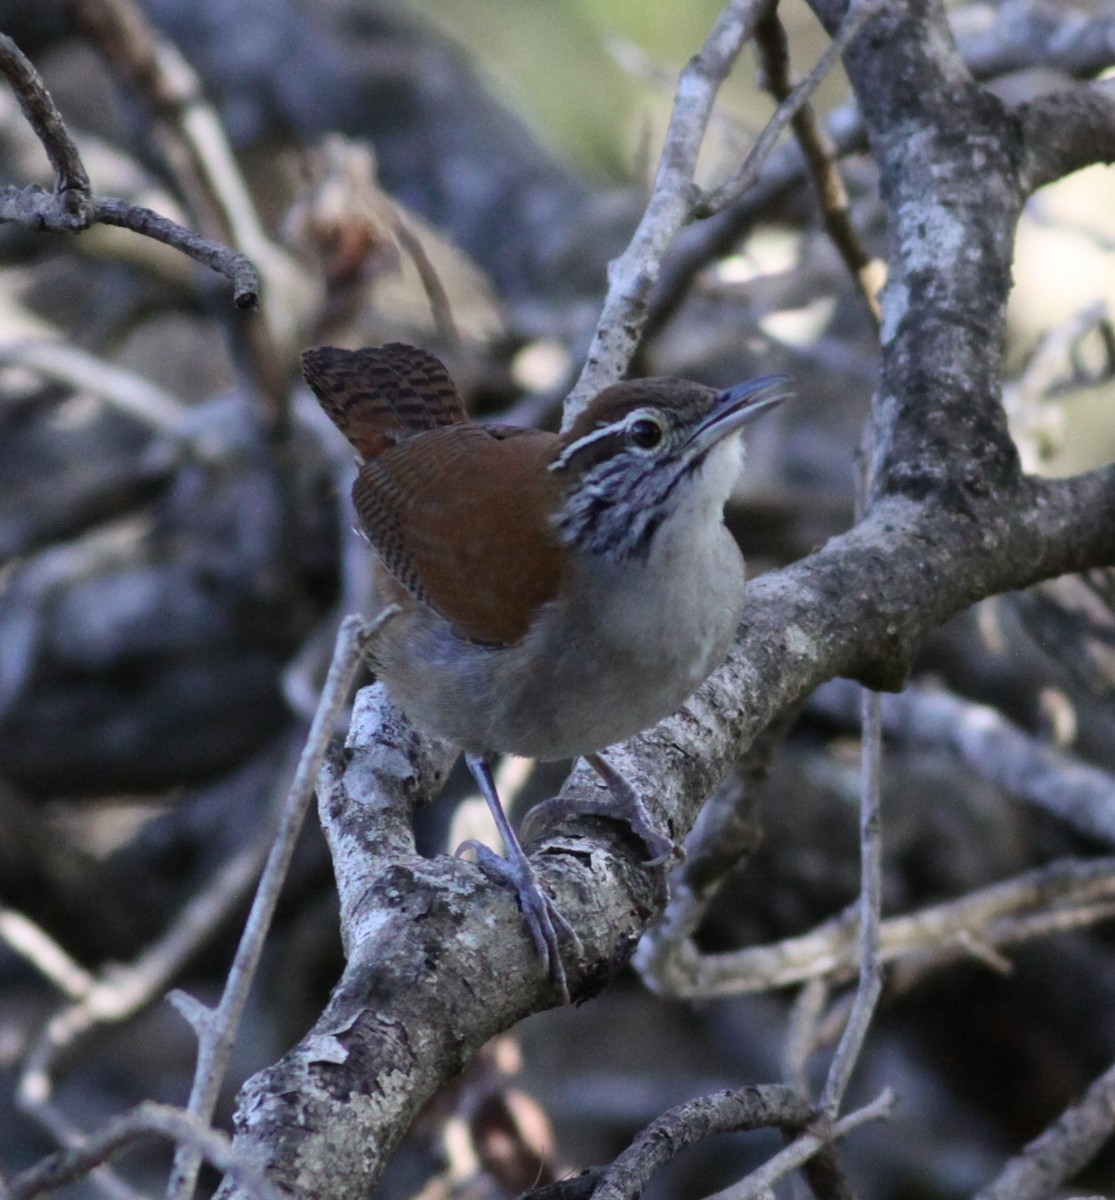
(557, 593)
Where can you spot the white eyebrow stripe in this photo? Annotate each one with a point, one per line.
(562, 461)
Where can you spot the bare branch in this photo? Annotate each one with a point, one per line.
(870, 907)
(1069, 1144)
(37, 947)
(736, 1111)
(203, 160)
(118, 993)
(819, 152)
(858, 12)
(633, 274)
(146, 1121)
(1067, 130)
(675, 197)
(1081, 795)
(756, 1185)
(71, 208)
(217, 1036)
(437, 959)
(203, 165)
(70, 178)
(1061, 895)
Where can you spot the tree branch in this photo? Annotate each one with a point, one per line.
(216, 1028)
(1065, 131)
(71, 206)
(147, 1121)
(632, 275)
(1069, 1144)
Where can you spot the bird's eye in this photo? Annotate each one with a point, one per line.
(645, 433)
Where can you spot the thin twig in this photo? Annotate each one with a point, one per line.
(146, 1121)
(118, 993)
(230, 263)
(819, 152)
(675, 197)
(1062, 1150)
(803, 1148)
(123, 33)
(706, 242)
(859, 11)
(757, 1107)
(801, 1032)
(726, 831)
(216, 1028)
(871, 899)
(440, 308)
(71, 207)
(44, 118)
(633, 274)
(205, 168)
(102, 1178)
(37, 947)
(1067, 892)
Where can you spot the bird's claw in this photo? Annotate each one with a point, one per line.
(543, 918)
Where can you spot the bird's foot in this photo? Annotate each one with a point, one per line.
(544, 920)
(620, 803)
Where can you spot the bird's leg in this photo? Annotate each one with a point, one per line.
(542, 917)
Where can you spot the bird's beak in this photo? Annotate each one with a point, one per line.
(736, 406)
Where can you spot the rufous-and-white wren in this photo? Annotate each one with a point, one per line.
(557, 593)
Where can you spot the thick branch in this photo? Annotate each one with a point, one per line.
(1066, 131)
(949, 155)
(439, 958)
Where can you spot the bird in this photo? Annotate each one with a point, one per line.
(556, 593)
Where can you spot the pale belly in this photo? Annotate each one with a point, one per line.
(626, 655)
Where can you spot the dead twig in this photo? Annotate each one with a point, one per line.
(736, 1111)
(71, 207)
(675, 197)
(633, 274)
(118, 993)
(820, 154)
(757, 1185)
(1064, 894)
(752, 1108)
(870, 907)
(859, 12)
(1058, 1153)
(146, 1121)
(200, 158)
